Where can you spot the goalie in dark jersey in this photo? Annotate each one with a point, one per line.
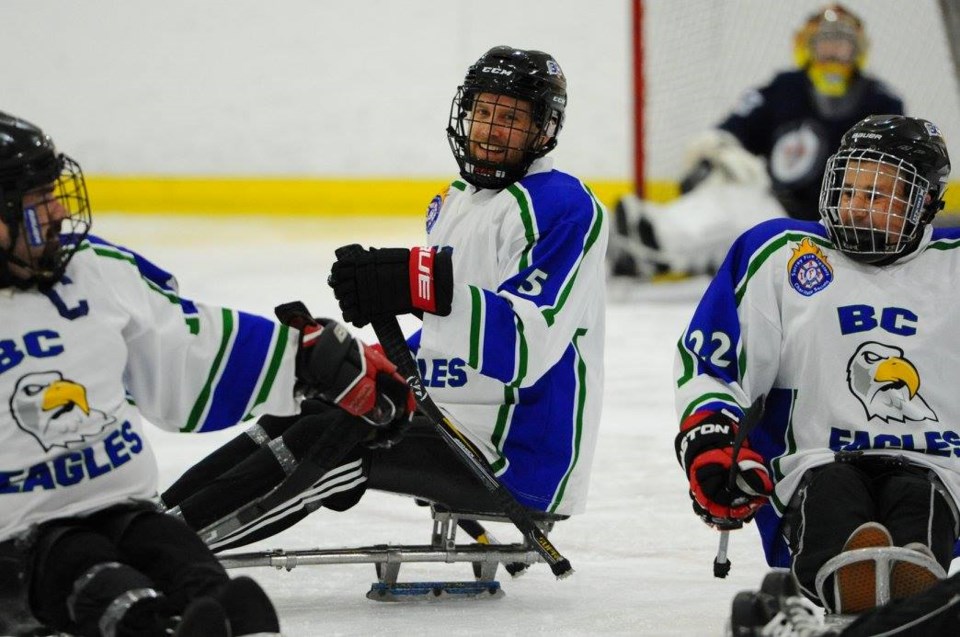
(764, 160)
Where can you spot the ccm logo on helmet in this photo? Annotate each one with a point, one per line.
(496, 70)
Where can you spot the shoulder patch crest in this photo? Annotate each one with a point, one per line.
(433, 210)
(808, 268)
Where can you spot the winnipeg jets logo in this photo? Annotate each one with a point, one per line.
(887, 384)
(55, 411)
(793, 158)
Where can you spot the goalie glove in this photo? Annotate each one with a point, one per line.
(704, 449)
(335, 366)
(716, 156)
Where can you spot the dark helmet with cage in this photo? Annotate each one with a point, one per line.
(44, 209)
(884, 186)
(831, 47)
(508, 112)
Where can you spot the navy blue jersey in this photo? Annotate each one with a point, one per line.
(783, 123)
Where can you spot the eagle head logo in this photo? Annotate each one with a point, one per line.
(887, 384)
(55, 411)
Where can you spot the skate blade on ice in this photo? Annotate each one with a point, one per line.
(434, 591)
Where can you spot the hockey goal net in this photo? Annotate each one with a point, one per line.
(697, 56)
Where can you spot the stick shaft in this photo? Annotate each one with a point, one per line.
(395, 346)
(721, 565)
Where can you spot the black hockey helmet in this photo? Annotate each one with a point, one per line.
(884, 186)
(43, 235)
(531, 76)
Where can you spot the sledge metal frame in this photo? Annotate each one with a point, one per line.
(883, 558)
(443, 547)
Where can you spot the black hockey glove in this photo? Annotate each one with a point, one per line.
(333, 365)
(704, 449)
(374, 283)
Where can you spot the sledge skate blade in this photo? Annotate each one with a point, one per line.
(838, 621)
(434, 591)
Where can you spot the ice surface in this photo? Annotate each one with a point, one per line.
(643, 561)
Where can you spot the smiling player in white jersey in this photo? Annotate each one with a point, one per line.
(511, 292)
(846, 327)
(512, 337)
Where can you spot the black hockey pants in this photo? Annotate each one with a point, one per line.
(837, 498)
(420, 464)
(151, 549)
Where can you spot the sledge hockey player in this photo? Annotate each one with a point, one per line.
(93, 335)
(844, 327)
(764, 160)
(511, 293)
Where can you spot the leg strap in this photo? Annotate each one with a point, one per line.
(118, 608)
(885, 560)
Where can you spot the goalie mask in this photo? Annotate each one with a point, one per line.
(883, 187)
(44, 209)
(507, 113)
(832, 48)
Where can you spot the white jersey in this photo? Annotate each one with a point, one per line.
(112, 340)
(518, 363)
(850, 357)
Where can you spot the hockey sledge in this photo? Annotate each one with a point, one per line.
(883, 560)
(483, 552)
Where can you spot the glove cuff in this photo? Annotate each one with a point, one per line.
(431, 280)
(701, 432)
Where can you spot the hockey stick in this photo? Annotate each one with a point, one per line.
(482, 536)
(721, 564)
(395, 346)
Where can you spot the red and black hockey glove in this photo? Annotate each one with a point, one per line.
(374, 283)
(335, 366)
(704, 449)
